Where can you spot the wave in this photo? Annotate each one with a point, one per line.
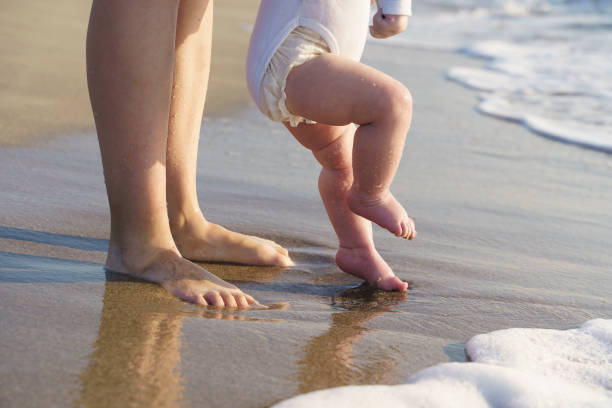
(547, 62)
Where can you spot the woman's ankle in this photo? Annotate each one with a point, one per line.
(179, 219)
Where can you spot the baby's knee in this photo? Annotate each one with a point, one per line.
(396, 102)
(336, 155)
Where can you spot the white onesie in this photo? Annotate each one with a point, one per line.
(341, 24)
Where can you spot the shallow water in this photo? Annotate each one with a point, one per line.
(514, 231)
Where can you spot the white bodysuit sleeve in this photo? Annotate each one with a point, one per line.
(403, 7)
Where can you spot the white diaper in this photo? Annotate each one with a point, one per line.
(301, 45)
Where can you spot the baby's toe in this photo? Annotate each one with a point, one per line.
(396, 230)
(393, 283)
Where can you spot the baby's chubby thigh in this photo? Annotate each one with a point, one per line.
(336, 90)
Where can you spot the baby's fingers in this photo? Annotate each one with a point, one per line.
(387, 25)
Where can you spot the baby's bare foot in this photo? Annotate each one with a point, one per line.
(178, 276)
(367, 264)
(384, 211)
(200, 240)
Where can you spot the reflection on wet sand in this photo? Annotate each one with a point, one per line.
(136, 357)
(330, 359)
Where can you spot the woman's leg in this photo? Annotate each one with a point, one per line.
(130, 54)
(332, 147)
(197, 238)
(335, 90)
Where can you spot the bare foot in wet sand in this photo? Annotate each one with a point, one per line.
(385, 211)
(178, 276)
(200, 240)
(367, 264)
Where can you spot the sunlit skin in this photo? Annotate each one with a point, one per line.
(359, 163)
(147, 70)
(387, 25)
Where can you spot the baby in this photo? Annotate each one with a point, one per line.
(303, 69)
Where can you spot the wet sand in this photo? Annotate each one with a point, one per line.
(42, 66)
(514, 231)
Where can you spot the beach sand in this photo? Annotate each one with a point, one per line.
(42, 69)
(514, 231)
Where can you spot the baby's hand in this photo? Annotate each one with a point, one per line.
(387, 25)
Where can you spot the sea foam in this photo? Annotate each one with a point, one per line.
(513, 368)
(551, 89)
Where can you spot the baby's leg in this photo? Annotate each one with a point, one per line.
(337, 91)
(332, 145)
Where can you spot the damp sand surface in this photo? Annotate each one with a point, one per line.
(514, 231)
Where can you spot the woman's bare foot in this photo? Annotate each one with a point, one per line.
(367, 264)
(178, 276)
(385, 211)
(200, 240)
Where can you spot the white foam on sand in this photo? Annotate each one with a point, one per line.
(511, 368)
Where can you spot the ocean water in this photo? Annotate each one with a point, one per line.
(513, 368)
(546, 63)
